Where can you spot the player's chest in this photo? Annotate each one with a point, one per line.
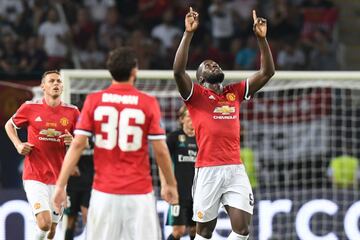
(221, 106)
(51, 123)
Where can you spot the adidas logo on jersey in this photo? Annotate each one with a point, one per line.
(38, 119)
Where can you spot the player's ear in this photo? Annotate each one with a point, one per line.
(42, 85)
(201, 80)
(133, 72)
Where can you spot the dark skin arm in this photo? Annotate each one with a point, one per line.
(182, 79)
(267, 69)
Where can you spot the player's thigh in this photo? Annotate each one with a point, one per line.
(237, 190)
(239, 219)
(85, 198)
(207, 191)
(44, 220)
(38, 196)
(141, 220)
(104, 219)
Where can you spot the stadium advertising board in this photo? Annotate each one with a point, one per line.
(329, 218)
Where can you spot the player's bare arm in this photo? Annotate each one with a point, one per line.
(182, 79)
(70, 161)
(23, 148)
(168, 184)
(267, 69)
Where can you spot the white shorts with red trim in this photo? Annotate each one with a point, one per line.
(122, 217)
(226, 185)
(39, 197)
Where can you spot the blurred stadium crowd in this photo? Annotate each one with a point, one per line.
(37, 35)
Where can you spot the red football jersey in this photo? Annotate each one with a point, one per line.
(216, 122)
(122, 119)
(44, 125)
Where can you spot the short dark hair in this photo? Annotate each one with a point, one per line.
(120, 62)
(49, 72)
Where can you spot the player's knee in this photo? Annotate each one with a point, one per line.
(243, 230)
(44, 224)
(192, 231)
(206, 229)
(206, 233)
(178, 232)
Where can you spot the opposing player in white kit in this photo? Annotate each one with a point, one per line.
(123, 120)
(49, 123)
(220, 176)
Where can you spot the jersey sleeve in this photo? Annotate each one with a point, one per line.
(195, 94)
(76, 117)
(242, 90)
(85, 123)
(20, 118)
(156, 130)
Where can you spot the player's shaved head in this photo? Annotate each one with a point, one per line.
(121, 62)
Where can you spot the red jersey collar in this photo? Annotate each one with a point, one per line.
(121, 86)
(50, 107)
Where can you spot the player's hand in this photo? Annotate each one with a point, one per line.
(170, 194)
(260, 25)
(24, 148)
(59, 199)
(191, 21)
(67, 137)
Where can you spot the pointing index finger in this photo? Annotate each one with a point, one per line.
(191, 10)
(254, 15)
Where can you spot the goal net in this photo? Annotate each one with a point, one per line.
(300, 144)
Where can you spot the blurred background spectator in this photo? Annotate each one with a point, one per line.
(37, 35)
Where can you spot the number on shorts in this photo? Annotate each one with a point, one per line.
(117, 128)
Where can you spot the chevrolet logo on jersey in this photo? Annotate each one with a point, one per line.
(224, 110)
(50, 132)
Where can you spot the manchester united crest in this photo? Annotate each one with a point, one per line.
(200, 215)
(64, 121)
(231, 97)
(182, 138)
(37, 205)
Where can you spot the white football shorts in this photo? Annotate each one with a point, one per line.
(215, 185)
(122, 217)
(39, 197)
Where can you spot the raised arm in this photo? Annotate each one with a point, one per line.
(182, 79)
(267, 69)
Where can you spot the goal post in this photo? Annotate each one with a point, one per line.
(301, 135)
(328, 77)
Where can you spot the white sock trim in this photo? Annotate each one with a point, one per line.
(234, 236)
(198, 237)
(40, 234)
